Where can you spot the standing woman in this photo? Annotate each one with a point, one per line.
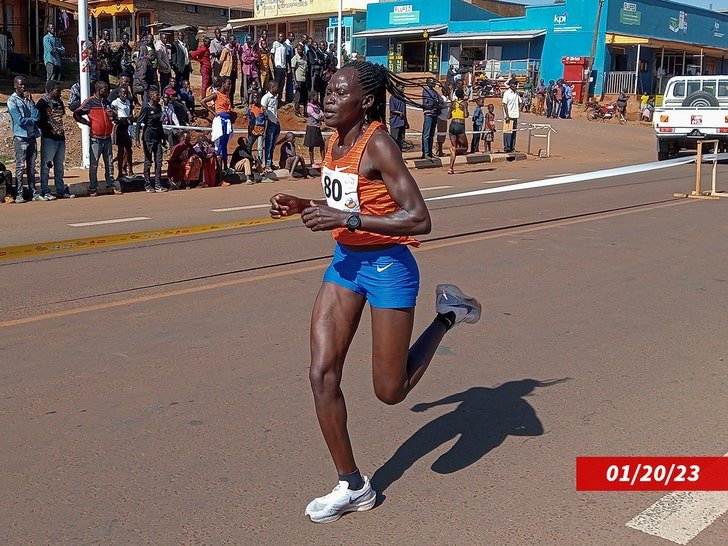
(458, 139)
(373, 208)
(222, 123)
(264, 59)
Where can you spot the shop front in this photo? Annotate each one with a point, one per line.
(316, 18)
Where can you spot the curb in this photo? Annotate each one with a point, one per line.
(472, 159)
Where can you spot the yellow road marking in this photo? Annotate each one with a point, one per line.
(86, 243)
(297, 271)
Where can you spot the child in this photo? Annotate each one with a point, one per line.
(185, 94)
(7, 177)
(269, 102)
(222, 123)
(478, 120)
(123, 109)
(150, 119)
(243, 161)
(256, 124)
(489, 127)
(290, 160)
(210, 174)
(169, 116)
(183, 165)
(254, 88)
(314, 138)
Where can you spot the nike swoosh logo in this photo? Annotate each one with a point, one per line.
(380, 268)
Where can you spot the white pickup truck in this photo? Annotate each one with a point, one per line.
(694, 108)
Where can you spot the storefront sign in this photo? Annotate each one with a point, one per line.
(277, 8)
(630, 16)
(560, 19)
(404, 15)
(717, 32)
(679, 23)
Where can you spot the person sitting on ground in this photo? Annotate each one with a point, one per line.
(243, 161)
(169, 117)
(211, 164)
(183, 166)
(254, 88)
(185, 94)
(314, 138)
(6, 177)
(458, 138)
(171, 85)
(648, 110)
(290, 159)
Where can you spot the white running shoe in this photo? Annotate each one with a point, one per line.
(340, 501)
(450, 298)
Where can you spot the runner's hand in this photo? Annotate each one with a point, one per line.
(282, 205)
(318, 217)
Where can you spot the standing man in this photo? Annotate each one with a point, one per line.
(124, 55)
(511, 112)
(299, 65)
(269, 102)
(397, 117)
(52, 51)
(290, 44)
(249, 60)
(99, 116)
(202, 55)
(103, 56)
(280, 61)
(164, 65)
(52, 141)
(558, 98)
(24, 117)
(431, 102)
(216, 45)
(229, 65)
(181, 58)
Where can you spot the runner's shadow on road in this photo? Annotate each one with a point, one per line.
(483, 419)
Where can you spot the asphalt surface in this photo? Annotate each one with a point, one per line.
(157, 393)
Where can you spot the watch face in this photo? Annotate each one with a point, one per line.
(353, 222)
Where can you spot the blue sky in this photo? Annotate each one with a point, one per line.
(717, 4)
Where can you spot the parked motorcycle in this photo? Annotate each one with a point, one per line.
(595, 111)
(485, 88)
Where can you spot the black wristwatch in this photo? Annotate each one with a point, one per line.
(353, 223)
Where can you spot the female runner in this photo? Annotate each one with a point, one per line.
(373, 207)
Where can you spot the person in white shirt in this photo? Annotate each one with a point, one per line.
(269, 102)
(280, 61)
(511, 111)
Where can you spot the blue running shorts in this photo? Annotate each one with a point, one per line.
(388, 279)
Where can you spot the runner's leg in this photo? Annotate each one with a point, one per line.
(334, 321)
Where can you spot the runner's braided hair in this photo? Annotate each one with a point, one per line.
(376, 80)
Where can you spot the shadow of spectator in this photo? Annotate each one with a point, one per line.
(484, 418)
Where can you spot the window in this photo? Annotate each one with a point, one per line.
(331, 35)
(678, 89)
(723, 89)
(710, 86)
(693, 86)
(223, 12)
(193, 9)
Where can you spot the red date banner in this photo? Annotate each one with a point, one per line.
(652, 473)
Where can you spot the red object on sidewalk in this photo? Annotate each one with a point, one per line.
(652, 473)
(574, 68)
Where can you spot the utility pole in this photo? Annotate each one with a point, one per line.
(83, 76)
(593, 49)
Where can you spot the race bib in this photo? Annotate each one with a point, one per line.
(341, 189)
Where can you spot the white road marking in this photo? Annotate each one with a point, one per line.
(113, 221)
(436, 188)
(557, 175)
(246, 207)
(583, 177)
(501, 181)
(680, 516)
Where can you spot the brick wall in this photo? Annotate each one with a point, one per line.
(177, 14)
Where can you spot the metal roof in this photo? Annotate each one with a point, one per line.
(399, 31)
(489, 36)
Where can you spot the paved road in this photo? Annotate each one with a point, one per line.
(158, 394)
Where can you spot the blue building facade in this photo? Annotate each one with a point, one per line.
(640, 43)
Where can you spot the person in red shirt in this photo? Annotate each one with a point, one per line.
(202, 55)
(96, 112)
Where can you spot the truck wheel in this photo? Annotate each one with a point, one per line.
(700, 99)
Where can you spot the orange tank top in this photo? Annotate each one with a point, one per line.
(222, 103)
(346, 189)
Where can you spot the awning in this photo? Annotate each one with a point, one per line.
(489, 36)
(112, 8)
(176, 28)
(399, 31)
(693, 49)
